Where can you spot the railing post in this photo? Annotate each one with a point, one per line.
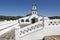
(17, 33)
(43, 21)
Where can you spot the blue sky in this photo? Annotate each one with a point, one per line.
(23, 7)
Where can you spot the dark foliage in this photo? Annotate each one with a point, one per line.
(17, 17)
(55, 17)
(9, 17)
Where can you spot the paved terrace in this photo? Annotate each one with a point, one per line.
(53, 37)
(6, 26)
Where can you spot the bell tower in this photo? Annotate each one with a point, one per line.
(34, 9)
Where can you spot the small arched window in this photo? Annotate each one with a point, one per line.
(51, 22)
(27, 20)
(41, 19)
(34, 7)
(58, 21)
(22, 20)
(33, 12)
(54, 22)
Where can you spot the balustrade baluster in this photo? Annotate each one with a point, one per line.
(26, 30)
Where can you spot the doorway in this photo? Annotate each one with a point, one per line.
(33, 20)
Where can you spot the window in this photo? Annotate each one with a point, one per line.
(54, 22)
(34, 7)
(58, 21)
(33, 12)
(27, 20)
(41, 19)
(51, 22)
(22, 20)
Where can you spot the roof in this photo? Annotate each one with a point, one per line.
(29, 14)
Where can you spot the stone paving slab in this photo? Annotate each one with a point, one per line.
(54, 37)
(8, 36)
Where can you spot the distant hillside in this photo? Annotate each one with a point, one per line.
(9, 17)
(55, 17)
(17, 17)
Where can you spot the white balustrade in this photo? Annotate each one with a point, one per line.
(52, 23)
(7, 24)
(31, 28)
(6, 28)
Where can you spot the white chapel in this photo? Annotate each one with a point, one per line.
(32, 18)
(30, 27)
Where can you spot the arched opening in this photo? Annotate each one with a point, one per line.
(27, 20)
(33, 20)
(22, 20)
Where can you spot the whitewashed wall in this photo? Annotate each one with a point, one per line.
(6, 26)
(29, 17)
(47, 23)
(41, 33)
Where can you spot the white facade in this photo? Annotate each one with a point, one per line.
(36, 27)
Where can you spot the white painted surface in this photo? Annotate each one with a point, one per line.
(17, 32)
(9, 25)
(41, 33)
(47, 29)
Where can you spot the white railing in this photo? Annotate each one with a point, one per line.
(31, 28)
(52, 23)
(7, 24)
(6, 29)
